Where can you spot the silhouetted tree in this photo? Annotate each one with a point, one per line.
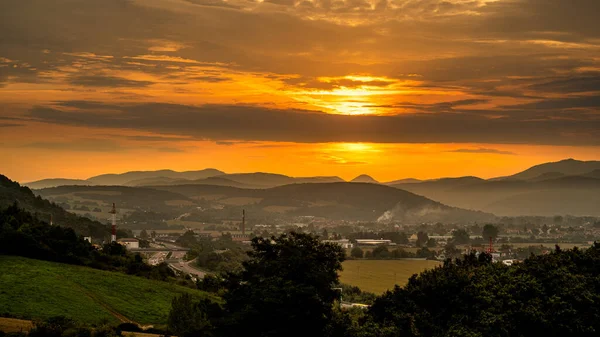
(489, 231)
(284, 289)
(357, 253)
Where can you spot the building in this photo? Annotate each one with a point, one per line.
(373, 242)
(344, 243)
(129, 243)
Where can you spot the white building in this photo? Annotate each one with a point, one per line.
(344, 243)
(129, 243)
(373, 242)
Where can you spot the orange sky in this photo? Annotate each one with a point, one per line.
(394, 89)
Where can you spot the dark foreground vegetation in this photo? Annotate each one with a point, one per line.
(23, 234)
(287, 288)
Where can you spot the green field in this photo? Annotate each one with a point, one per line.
(39, 289)
(378, 276)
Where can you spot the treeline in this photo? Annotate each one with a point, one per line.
(219, 256)
(288, 288)
(384, 253)
(23, 234)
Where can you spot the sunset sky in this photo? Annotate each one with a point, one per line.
(394, 89)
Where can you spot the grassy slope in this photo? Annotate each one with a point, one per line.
(378, 276)
(40, 289)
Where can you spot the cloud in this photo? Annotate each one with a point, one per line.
(83, 145)
(9, 125)
(575, 84)
(521, 59)
(255, 123)
(341, 161)
(107, 81)
(483, 150)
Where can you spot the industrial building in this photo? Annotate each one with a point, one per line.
(129, 243)
(344, 243)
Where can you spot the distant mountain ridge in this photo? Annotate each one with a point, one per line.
(364, 178)
(170, 177)
(564, 187)
(340, 201)
(567, 167)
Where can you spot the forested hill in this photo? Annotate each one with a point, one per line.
(11, 192)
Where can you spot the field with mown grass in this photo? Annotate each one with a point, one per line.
(39, 289)
(377, 276)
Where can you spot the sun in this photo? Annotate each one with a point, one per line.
(351, 94)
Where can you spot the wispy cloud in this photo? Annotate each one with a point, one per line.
(483, 150)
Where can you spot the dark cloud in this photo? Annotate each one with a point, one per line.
(211, 79)
(155, 138)
(107, 81)
(252, 123)
(213, 3)
(9, 125)
(575, 84)
(483, 150)
(85, 145)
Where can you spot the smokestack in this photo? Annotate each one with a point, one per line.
(243, 222)
(113, 237)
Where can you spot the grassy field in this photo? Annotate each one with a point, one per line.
(378, 276)
(39, 289)
(14, 325)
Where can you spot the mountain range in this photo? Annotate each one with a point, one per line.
(564, 187)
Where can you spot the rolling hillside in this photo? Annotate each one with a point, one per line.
(84, 294)
(547, 194)
(567, 167)
(11, 192)
(345, 201)
(124, 197)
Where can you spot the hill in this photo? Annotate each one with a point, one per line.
(46, 183)
(124, 178)
(84, 294)
(344, 201)
(363, 178)
(546, 194)
(567, 167)
(11, 192)
(404, 181)
(125, 197)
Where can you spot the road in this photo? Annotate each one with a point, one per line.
(187, 267)
(175, 260)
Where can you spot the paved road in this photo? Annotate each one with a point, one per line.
(187, 267)
(176, 260)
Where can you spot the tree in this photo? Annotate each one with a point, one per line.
(144, 235)
(357, 253)
(460, 237)
(451, 251)
(489, 231)
(431, 243)
(188, 317)
(284, 289)
(422, 239)
(325, 234)
(381, 252)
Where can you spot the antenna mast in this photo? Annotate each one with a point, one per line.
(113, 237)
(243, 222)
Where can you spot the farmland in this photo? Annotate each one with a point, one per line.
(39, 289)
(378, 276)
